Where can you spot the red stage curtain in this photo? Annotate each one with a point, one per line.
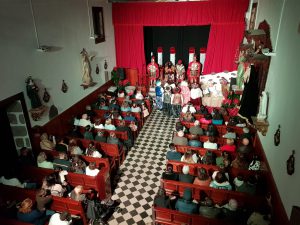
(226, 18)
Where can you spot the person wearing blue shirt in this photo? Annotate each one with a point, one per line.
(185, 204)
(172, 154)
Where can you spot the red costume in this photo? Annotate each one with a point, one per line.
(193, 71)
(153, 71)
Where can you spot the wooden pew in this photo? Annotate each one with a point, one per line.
(101, 182)
(218, 196)
(59, 204)
(164, 216)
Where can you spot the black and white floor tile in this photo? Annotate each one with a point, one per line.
(141, 171)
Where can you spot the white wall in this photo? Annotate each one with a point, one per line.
(284, 105)
(60, 23)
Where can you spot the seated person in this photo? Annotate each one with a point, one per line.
(172, 154)
(230, 133)
(42, 161)
(28, 215)
(78, 165)
(63, 218)
(161, 199)
(194, 142)
(203, 110)
(220, 181)
(84, 121)
(188, 117)
(202, 178)
(185, 176)
(224, 160)
(88, 134)
(188, 108)
(122, 127)
(217, 118)
(207, 209)
(89, 111)
(145, 110)
(61, 145)
(179, 139)
(179, 127)
(112, 139)
(125, 107)
(248, 186)
(109, 125)
(189, 157)
(10, 179)
(139, 96)
(62, 162)
(229, 146)
(26, 157)
(210, 143)
(211, 130)
(98, 124)
(73, 148)
(246, 146)
(100, 137)
(53, 184)
(77, 193)
(103, 106)
(230, 212)
(196, 129)
(135, 108)
(241, 122)
(169, 174)
(129, 117)
(185, 203)
(207, 119)
(115, 115)
(92, 151)
(91, 170)
(45, 143)
(240, 161)
(114, 105)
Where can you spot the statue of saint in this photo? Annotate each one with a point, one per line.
(86, 68)
(33, 93)
(263, 105)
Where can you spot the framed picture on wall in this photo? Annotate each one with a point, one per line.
(99, 32)
(253, 16)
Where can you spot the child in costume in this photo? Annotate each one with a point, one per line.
(176, 101)
(159, 95)
(167, 101)
(185, 91)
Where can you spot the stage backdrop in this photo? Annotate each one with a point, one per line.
(179, 37)
(226, 18)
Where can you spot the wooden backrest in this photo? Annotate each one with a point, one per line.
(110, 149)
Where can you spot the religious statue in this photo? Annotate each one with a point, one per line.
(153, 71)
(193, 71)
(263, 105)
(87, 79)
(33, 93)
(243, 71)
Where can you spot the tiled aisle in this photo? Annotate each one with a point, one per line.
(141, 171)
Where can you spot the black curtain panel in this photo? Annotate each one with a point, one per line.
(182, 38)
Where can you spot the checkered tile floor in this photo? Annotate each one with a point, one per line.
(141, 171)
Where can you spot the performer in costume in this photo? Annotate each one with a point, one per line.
(180, 71)
(196, 94)
(170, 72)
(194, 71)
(176, 101)
(185, 91)
(167, 100)
(159, 95)
(153, 71)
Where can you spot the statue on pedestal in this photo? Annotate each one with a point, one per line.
(263, 105)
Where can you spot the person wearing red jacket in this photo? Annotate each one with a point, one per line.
(193, 71)
(153, 71)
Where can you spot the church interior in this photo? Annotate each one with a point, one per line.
(125, 108)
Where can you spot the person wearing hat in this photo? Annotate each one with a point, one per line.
(194, 70)
(167, 101)
(153, 71)
(179, 139)
(185, 203)
(185, 176)
(180, 71)
(176, 102)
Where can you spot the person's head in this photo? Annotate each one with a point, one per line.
(180, 133)
(188, 154)
(208, 202)
(41, 157)
(44, 136)
(88, 107)
(221, 177)
(100, 133)
(178, 126)
(134, 105)
(26, 206)
(161, 192)
(65, 216)
(92, 165)
(169, 168)
(185, 169)
(62, 155)
(245, 141)
(152, 59)
(202, 174)
(84, 116)
(122, 123)
(232, 205)
(230, 141)
(171, 146)
(196, 123)
(72, 142)
(108, 122)
(246, 130)
(179, 62)
(78, 189)
(211, 139)
(112, 134)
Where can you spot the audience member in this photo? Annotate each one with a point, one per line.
(196, 129)
(73, 148)
(84, 121)
(63, 218)
(161, 199)
(45, 143)
(202, 178)
(122, 127)
(62, 162)
(42, 161)
(185, 203)
(207, 209)
(26, 157)
(172, 154)
(189, 157)
(108, 125)
(240, 161)
(77, 193)
(91, 170)
(53, 185)
(61, 145)
(88, 134)
(210, 143)
(28, 215)
(78, 165)
(185, 176)
(169, 174)
(220, 181)
(211, 130)
(179, 139)
(43, 199)
(229, 146)
(100, 137)
(92, 151)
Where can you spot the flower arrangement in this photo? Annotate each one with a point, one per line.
(231, 104)
(120, 84)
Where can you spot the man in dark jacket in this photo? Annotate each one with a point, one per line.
(185, 204)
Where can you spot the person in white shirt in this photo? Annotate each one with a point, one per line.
(63, 218)
(135, 108)
(188, 108)
(11, 181)
(84, 121)
(91, 170)
(210, 143)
